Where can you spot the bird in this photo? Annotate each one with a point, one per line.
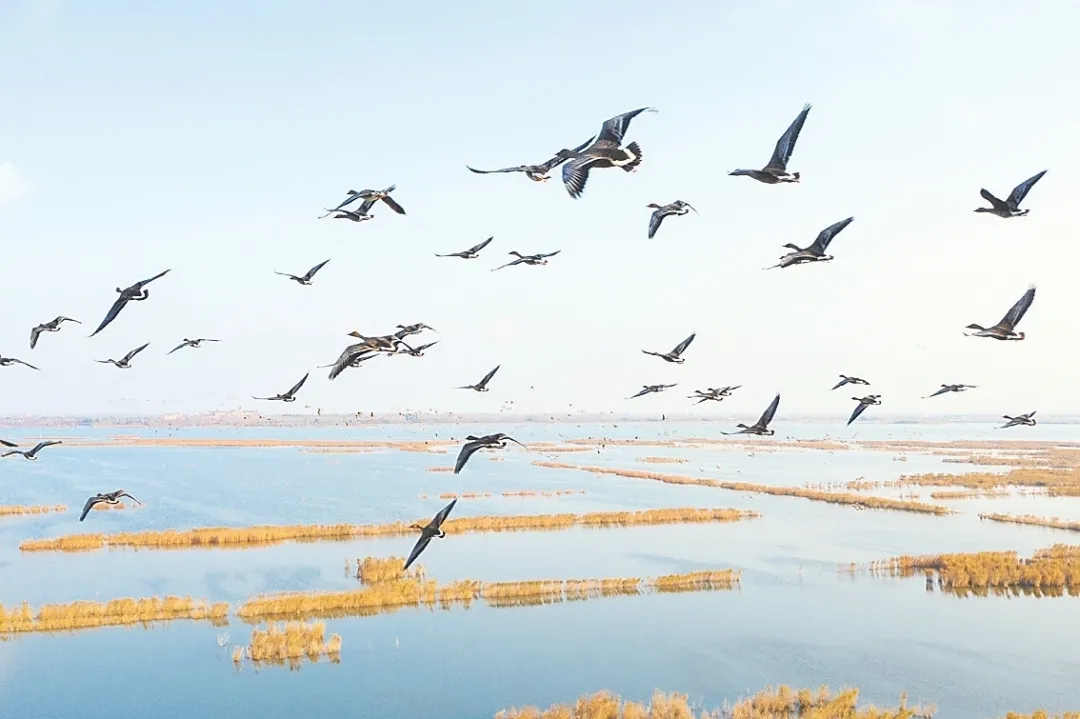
(107, 498)
(674, 355)
(650, 388)
(844, 379)
(136, 293)
(536, 173)
(604, 151)
(761, 427)
(369, 197)
(304, 279)
(419, 351)
(194, 344)
(864, 402)
(125, 361)
(815, 252)
(52, 326)
(289, 396)
(432, 530)
(1006, 328)
(776, 171)
(474, 443)
(716, 394)
(538, 259)
(481, 386)
(404, 331)
(1024, 419)
(5, 443)
(31, 453)
(472, 253)
(951, 388)
(353, 355)
(354, 216)
(678, 207)
(1011, 206)
(8, 361)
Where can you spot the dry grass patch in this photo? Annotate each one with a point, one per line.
(280, 643)
(84, 614)
(1052, 522)
(663, 460)
(12, 510)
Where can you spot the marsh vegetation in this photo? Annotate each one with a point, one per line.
(290, 642)
(86, 614)
(11, 510)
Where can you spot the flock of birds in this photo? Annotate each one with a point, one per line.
(604, 150)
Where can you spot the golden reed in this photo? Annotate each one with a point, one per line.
(84, 614)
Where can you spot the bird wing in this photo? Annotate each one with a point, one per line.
(313, 270)
(120, 303)
(131, 355)
(365, 207)
(575, 174)
(296, 387)
(857, 411)
(19, 361)
(943, 390)
(1020, 191)
(443, 514)
(1017, 311)
(139, 285)
(353, 195)
(418, 548)
(88, 506)
(644, 390)
(786, 144)
(826, 236)
(841, 383)
(42, 445)
(681, 347)
(5, 443)
(614, 128)
(518, 168)
(180, 346)
(467, 450)
(1029, 415)
(542, 255)
(488, 376)
(122, 493)
(558, 159)
(508, 438)
(423, 347)
(34, 334)
(655, 220)
(476, 248)
(393, 204)
(770, 412)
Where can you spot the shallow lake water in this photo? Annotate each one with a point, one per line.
(794, 618)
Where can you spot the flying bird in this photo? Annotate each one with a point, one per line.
(815, 252)
(432, 530)
(289, 396)
(194, 344)
(418, 351)
(404, 331)
(844, 379)
(136, 293)
(1027, 420)
(5, 443)
(369, 197)
(1011, 206)
(536, 173)
(52, 326)
(951, 388)
(605, 151)
(761, 427)
(678, 207)
(716, 394)
(472, 253)
(776, 171)
(1006, 329)
(31, 453)
(650, 388)
(481, 386)
(106, 498)
(674, 355)
(8, 361)
(864, 402)
(125, 361)
(304, 279)
(351, 215)
(538, 259)
(474, 444)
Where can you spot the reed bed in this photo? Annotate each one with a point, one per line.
(969, 494)
(290, 642)
(1042, 714)
(1031, 519)
(374, 570)
(663, 460)
(517, 493)
(12, 510)
(1054, 469)
(802, 492)
(236, 538)
(440, 468)
(85, 614)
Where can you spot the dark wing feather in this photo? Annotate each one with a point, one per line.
(5, 443)
(296, 387)
(557, 160)
(575, 174)
(826, 236)
(120, 303)
(785, 146)
(313, 270)
(476, 248)
(1020, 191)
(644, 390)
(681, 347)
(542, 255)
(146, 282)
(365, 207)
(393, 205)
(488, 376)
(443, 514)
(418, 548)
(131, 355)
(353, 195)
(88, 506)
(654, 222)
(34, 334)
(989, 197)
(858, 410)
(468, 450)
(1017, 312)
(180, 346)
(614, 128)
(122, 493)
(519, 168)
(770, 412)
(841, 383)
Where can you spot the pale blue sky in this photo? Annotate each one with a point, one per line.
(206, 137)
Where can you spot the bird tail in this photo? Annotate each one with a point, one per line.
(634, 149)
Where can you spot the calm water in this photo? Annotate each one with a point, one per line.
(794, 619)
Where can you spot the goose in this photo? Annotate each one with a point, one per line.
(650, 388)
(604, 151)
(1006, 328)
(537, 259)
(844, 379)
(404, 331)
(815, 252)
(369, 197)
(1027, 420)
(354, 216)
(776, 171)
(418, 351)
(51, 326)
(761, 427)
(125, 361)
(193, 344)
(352, 356)
(470, 254)
(716, 394)
(31, 453)
(136, 293)
(951, 388)
(536, 173)
(8, 361)
(678, 207)
(289, 396)
(474, 444)
(674, 355)
(106, 498)
(1011, 206)
(304, 279)
(481, 386)
(864, 402)
(428, 532)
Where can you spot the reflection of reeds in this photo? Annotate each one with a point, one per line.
(16, 509)
(226, 537)
(1053, 522)
(290, 642)
(83, 614)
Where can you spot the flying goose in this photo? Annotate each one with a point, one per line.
(481, 386)
(815, 252)
(678, 207)
(1024, 419)
(31, 453)
(136, 293)
(605, 151)
(107, 498)
(776, 171)
(1011, 206)
(761, 426)
(418, 351)
(351, 215)
(864, 402)
(304, 279)
(125, 361)
(650, 388)
(716, 394)
(404, 331)
(193, 344)
(1006, 329)
(432, 530)
(472, 253)
(536, 173)
(52, 326)
(845, 379)
(474, 444)
(951, 388)
(289, 396)
(369, 197)
(8, 361)
(537, 259)
(674, 355)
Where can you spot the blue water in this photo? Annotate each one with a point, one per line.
(795, 619)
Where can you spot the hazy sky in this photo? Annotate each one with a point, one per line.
(207, 136)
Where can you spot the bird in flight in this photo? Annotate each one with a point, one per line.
(761, 427)
(136, 293)
(536, 173)
(304, 279)
(52, 326)
(650, 388)
(472, 253)
(106, 498)
(1027, 420)
(1011, 206)
(864, 402)
(605, 151)
(481, 386)
(1006, 329)
(428, 532)
(289, 396)
(951, 388)
(404, 331)
(31, 453)
(538, 259)
(417, 351)
(125, 361)
(678, 207)
(351, 215)
(815, 252)
(674, 355)
(8, 361)
(193, 344)
(5, 443)
(369, 197)
(715, 394)
(474, 444)
(776, 171)
(844, 379)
